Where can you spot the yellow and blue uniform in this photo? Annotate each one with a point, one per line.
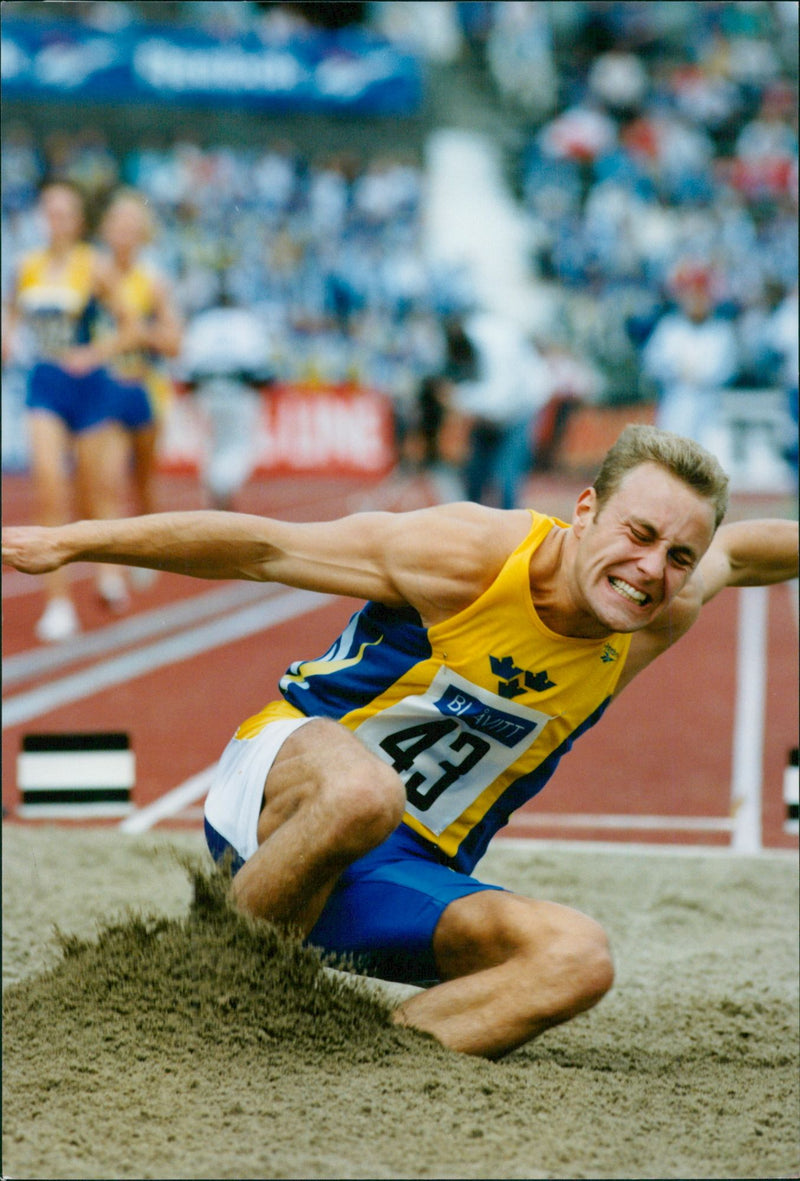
(474, 713)
(56, 299)
(139, 387)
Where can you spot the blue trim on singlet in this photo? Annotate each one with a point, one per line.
(390, 642)
(475, 844)
(85, 324)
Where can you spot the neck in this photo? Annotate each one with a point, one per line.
(553, 589)
(59, 248)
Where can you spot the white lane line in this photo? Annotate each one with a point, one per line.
(172, 803)
(25, 665)
(748, 723)
(631, 821)
(88, 682)
(72, 811)
(531, 845)
(181, 797)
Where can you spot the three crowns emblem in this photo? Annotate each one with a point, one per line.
(514, 681)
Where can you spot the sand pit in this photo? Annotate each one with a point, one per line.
(156, 1037)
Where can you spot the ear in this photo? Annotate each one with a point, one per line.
(584, 511)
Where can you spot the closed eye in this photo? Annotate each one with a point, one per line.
(684, 560)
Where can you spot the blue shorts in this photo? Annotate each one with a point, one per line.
(128, 403)
(384, 910)
(79, 400)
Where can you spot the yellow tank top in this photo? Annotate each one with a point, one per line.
(56, 299)
(137, 290)
(474, 713)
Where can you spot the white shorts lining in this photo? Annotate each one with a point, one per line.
(234, 802)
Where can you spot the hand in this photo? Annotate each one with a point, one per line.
(33, 549)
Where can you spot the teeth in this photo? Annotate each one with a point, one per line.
(628, 591)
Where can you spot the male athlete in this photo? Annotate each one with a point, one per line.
(358, 804)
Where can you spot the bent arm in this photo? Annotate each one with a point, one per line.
(435, 559)
(746, 553)
(749, 553)
(164, 334)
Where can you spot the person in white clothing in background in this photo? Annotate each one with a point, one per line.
(226, 358)
(691, 355)
(512, 383)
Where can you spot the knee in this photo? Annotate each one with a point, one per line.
(370, 804)
(589, 954)
(564, 960)
(580, 958)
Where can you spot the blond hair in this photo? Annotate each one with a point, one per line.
(681, 457)
(130, 196)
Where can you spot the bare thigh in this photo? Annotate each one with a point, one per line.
(327, 801)
(487, 929)
(324, 768)
(511, 967)
(102, 455)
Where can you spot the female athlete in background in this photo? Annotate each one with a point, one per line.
(55, 295)
(140, 388)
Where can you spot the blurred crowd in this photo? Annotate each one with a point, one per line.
(662, 137)
(657, 170)
(326, 252)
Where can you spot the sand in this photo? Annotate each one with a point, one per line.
(156, 1034)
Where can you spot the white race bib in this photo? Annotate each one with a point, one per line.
(450, 743)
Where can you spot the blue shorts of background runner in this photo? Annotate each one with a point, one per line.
(129, 403)
(383, 912)
(79, 400)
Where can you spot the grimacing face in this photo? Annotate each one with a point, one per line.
(636, 553)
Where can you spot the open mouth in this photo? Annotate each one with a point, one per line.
(629, 592)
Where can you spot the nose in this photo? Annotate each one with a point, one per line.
(652, 561)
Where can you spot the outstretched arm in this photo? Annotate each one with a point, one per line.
(749, 553)
(436, 559)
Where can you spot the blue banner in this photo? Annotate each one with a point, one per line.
(350, 71)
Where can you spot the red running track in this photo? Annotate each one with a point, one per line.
(657, 769)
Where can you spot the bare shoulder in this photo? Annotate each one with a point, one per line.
(445, 557)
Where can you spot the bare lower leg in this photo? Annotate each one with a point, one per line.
(145, 442)
(560, 970)
(50, 444)
(102, 456)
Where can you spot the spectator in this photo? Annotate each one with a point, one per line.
(141, 385)
(225, 360)
(511, 384)
(690, 356)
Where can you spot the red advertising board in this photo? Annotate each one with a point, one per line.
(334, 430)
